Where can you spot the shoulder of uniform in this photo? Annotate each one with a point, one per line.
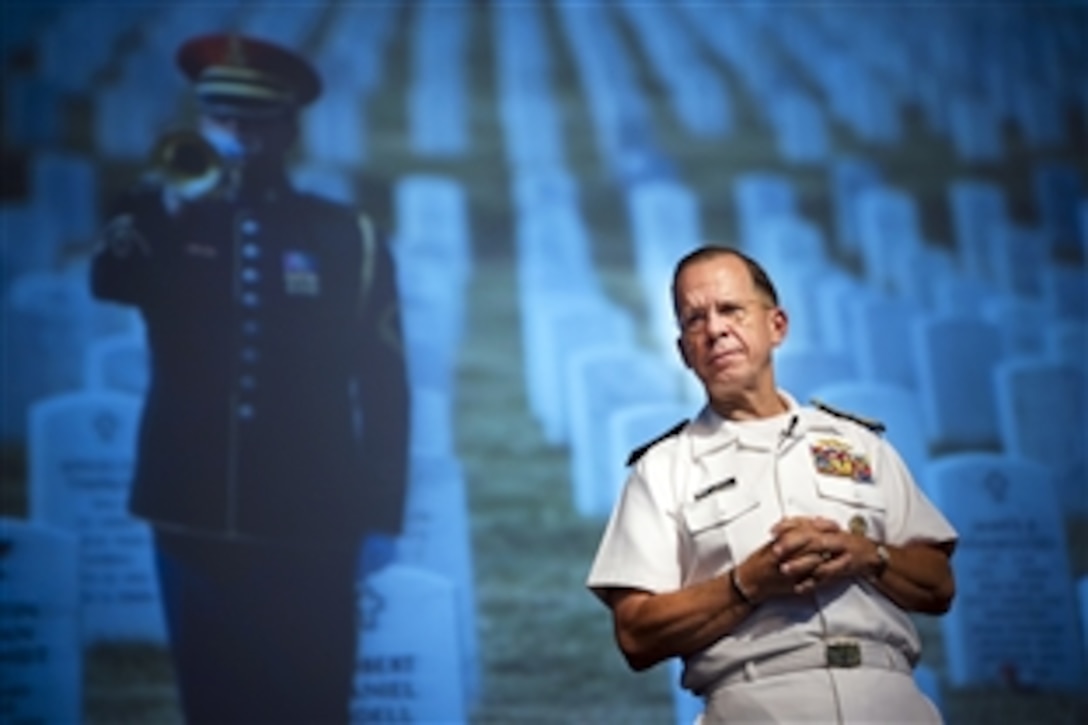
(639, 452)
(872, 424)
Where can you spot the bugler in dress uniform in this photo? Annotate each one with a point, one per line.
(278, 400)
(274, 435)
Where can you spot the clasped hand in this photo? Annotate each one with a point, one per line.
(804, 553)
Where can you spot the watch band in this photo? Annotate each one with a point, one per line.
(885, 557)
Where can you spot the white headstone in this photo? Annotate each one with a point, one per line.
(325, 180)
(539, 188)
(431, 421)
(849, 177)
(882, 346)
(1065, 290)
(664, 213)
(955, 295)
(30, 242)
(801, 370)
(409, 662)
(68, 185)
(432, 315)
(125, 125)
(41, 655)
(702, 103)
(1042, 414)
(567, 325)
(432, 222)
(800, 129)
(978, 212)
(759, 196)
(34, 112)
(50, 321)
(531, 129)
(954, 360)
(433, 134)
(1059, 190)
(933, 281)
(1021, 323)
(1020, 256)
(887, 223)
(437, 538)
(1067, 340)
(334, 130)
(799, 288)
(602, 379)
(118, 362)
(786, 243)
(666, 225)
(1040, 116)
(834, 301)
(1014, 619)
(976, 130)
(82, 450)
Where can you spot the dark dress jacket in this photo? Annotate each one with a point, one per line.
(278, 403)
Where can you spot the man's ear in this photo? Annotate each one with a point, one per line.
(683, 352)
(780, 325)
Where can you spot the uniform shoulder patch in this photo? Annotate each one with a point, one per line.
(874, 425)
(639, 452)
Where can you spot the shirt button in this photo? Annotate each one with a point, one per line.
(250, 226)
(247, 382)
(250, 354)
(251, 299)
(250, 274)
(250, 328)
(245, 411)
(251, 251)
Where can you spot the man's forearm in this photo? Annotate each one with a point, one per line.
(917, 577)
(654, 627)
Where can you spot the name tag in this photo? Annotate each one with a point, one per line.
(719, 486)
(301, 275)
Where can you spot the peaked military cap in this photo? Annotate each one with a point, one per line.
(235, 75)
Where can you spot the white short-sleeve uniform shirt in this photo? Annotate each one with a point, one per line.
(704, 499)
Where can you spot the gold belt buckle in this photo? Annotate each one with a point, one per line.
(843, 654)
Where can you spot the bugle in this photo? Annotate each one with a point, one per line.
(187, 164)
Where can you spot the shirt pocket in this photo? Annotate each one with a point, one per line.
(721, 527)
(859, 507)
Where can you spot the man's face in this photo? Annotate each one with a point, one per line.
(728, 328)
(244, 139)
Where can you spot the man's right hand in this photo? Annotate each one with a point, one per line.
(788, 563)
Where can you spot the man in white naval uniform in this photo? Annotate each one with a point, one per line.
(776, 548)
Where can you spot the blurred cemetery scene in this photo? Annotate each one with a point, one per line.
(913, 176)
